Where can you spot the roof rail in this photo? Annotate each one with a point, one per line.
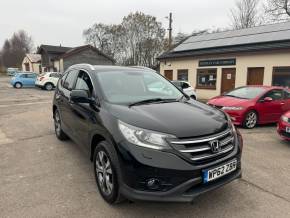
(142, 67)
(82, 65)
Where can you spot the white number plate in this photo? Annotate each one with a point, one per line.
(287, 129)
(217, 172)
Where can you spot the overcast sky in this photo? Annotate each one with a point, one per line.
(63, 21)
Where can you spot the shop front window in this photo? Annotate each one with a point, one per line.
(281, 76)
(206, 78)
(182, 75)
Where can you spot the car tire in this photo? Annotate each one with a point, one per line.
(250, 120)
(18, 85)
(48, 86)
(107, 177)
(57, 127)
(193, 97)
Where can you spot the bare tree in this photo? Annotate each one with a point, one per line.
(15, 48)
(245, 14)
(278, 10)
(138, 40)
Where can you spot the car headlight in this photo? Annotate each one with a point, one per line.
(230, 123)
(284, 118)
(143, 137)
(232, 108)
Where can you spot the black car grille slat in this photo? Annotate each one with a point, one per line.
(216, 106)
(286, 134)
(199, 151)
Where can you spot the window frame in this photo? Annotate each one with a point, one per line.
(74, 82)
(93, 88)
(283, 94)
(206, 87)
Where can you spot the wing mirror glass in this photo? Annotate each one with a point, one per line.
(268, 99)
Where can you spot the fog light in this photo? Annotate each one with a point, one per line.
(153, 183)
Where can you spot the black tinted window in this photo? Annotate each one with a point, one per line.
(185, 85)
(70, 79)
(84, 82)
(56, 75)
(287, 94)
(31, 75)
(275, 94)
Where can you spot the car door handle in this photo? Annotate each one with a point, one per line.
(282, 103)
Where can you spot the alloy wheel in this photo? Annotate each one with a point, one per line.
(48, 87)
(251, 120)
(104, 173)
(18, 85)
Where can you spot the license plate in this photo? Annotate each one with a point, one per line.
(287, 129)
(220, 171)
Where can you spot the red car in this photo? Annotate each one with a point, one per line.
(283, 127)
(252, 105)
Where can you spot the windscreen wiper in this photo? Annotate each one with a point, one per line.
(152, 100)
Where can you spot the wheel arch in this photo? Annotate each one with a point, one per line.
(17, 82)
(96, 139)
(49, 83)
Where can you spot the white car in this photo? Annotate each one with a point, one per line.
(186, 88)
(47, 80)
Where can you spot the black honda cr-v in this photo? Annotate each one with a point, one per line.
(147, 139)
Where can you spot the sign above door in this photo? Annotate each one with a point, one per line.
(217, 62)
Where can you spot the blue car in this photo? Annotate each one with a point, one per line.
(23, 80)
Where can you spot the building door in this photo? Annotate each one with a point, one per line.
(228, 79)
(255, 76)
(168, 74)
(27, 67)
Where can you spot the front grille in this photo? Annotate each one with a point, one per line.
(285, 134)
(216, 106)
(199, 150)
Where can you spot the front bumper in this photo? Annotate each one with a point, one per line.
(236, 116)
(180, 180)
(281, 129)
(185, 192)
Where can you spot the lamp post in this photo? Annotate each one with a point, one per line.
(170, 30)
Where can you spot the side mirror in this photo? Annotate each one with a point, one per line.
(80, 96)
(267, 99)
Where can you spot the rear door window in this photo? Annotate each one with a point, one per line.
(55, 75)
(31, 75)
(276, 94)
(287, 94)
(185, 86)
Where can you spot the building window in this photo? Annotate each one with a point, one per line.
(206, 79)
(281, 76)
(182, 75)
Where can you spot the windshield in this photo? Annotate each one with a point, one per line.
(246, 92)
(130, 87)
